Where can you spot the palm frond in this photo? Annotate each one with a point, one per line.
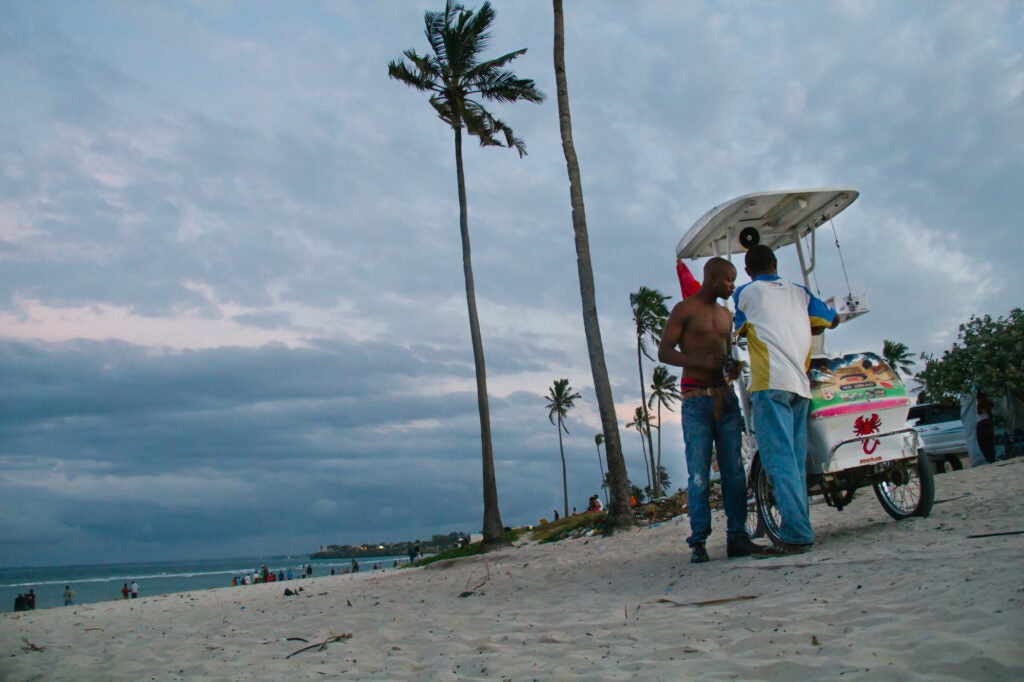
(504, 86)
(489, 129)
(425, 76)
(561, 399)
(475, 31)
(650, 315)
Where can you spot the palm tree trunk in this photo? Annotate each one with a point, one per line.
(620, 514)
(653, 477)
(493, 530)
(601, 467)
(643, 451)
(659, 444)
(565, 483)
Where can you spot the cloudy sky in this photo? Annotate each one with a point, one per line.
(232, 314)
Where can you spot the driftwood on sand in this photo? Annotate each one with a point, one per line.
(320, 646)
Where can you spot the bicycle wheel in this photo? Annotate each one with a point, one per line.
(768, 514)
(753, 525)
(907, 489)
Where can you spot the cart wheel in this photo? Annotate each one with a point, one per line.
(764, 499)
(909, 490)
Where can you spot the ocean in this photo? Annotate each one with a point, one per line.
(103, 582)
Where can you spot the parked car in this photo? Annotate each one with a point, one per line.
(942, 434)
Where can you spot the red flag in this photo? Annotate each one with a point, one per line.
(687, 282)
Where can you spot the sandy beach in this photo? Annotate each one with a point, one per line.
(919, 599)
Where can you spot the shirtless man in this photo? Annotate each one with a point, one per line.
(697, 337)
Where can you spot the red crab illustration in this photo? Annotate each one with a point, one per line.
(865, 427)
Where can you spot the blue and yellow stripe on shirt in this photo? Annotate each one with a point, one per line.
(776, 316)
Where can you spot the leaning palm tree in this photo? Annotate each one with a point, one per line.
(642, 425)
(620, 514)
(598, 440)
(664, 390)
(898, 356)
(561, 399)
(649, 315)
(455, 77)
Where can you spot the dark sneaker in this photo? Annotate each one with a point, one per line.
(698, 554)
(742, 546)
(783, 549)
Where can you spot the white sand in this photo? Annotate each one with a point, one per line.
(876, 599)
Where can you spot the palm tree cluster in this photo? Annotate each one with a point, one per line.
(649, 317)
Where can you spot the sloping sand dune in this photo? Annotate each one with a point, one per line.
(877, 599)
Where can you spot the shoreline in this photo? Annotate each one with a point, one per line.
(98, 583)
(921, 599)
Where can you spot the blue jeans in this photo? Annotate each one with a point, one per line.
(700, 430)
(780, 420)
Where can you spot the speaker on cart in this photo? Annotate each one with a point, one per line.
(749, 236)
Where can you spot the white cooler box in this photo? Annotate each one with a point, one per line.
(859, 402)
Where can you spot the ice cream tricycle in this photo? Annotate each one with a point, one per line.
(857, 433)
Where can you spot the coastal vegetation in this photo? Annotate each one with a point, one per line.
(457, 82)
(898, 357)
(988, 353)
(649, 317)
(436, 544)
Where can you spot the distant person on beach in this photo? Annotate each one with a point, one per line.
(124, 591)
(135, 590)
(984, 429)
(19, 603)
(778, 318)
(556, 514)
(69, 595)
(697, 337)
(30, 600)
(355, 566)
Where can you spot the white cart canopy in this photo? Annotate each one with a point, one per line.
(780, 218)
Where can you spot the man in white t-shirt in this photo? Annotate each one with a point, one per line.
(778, 318)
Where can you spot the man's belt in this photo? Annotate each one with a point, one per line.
(702, 392)
(717, 391)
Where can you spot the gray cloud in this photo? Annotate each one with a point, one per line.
(231, 286)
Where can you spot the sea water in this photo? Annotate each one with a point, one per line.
(96, 583)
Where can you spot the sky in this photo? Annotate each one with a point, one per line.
(232, 309)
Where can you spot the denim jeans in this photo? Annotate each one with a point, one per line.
(700, 430)
(780, 422)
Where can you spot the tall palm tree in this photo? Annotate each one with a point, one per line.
(642, 425)
(664, 390)
(620, 514)
(898, 356)
(598, 439)
(561, 399)
(454, 76)
(649, 315)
